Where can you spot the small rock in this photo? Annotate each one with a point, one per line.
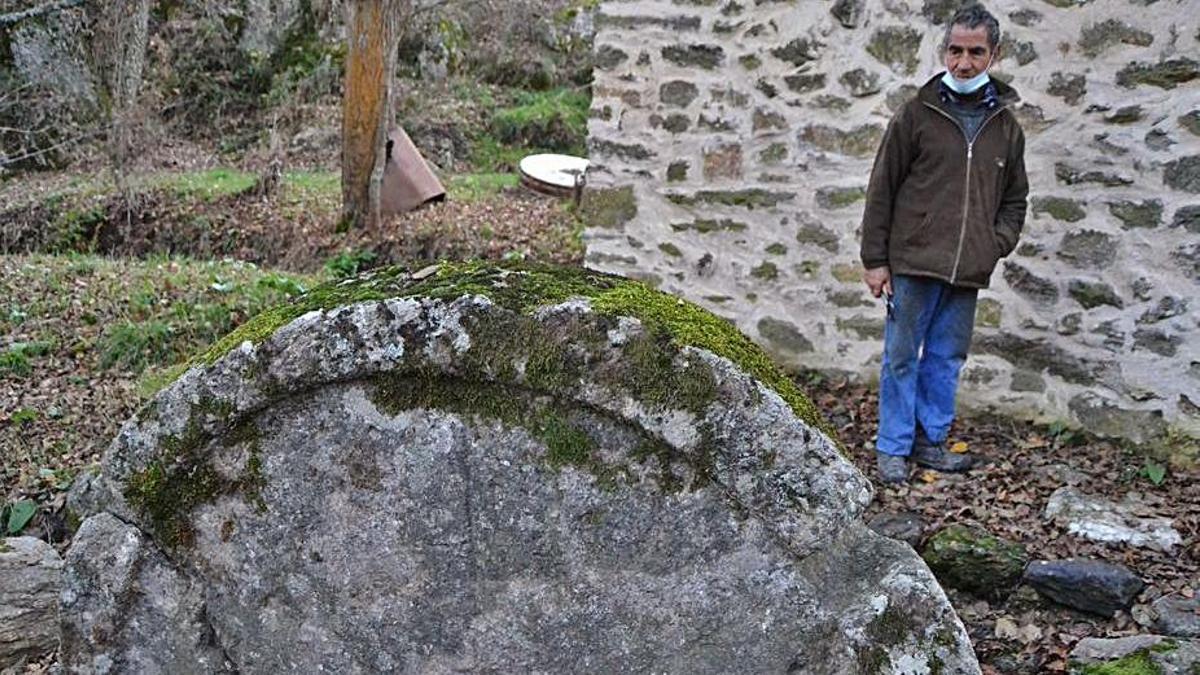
(1087, 585)
(1176, 616)
(1139, 654)
(30, 571)
(1094, 650)
(906, 527)
(972, 560)
(1064, 473)
(1098, 519)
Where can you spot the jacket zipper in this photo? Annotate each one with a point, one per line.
(962, 231)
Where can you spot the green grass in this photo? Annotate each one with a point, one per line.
(555, 119)
(211, 184)
(17, 359)
(472, 187)
(349, 262)
(313, 183)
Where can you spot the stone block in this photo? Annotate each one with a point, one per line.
(1092, 294)
(1166, 74)
(860, 82)
(1187, 217)
(723, 162)
(1191, 122)
(705, 57)
(602, 455)
(896, 47)
(802, 83)
(608, 207)
(818, 235)
(1088, 249)
(798, 52)
(860, 141)
(609, 57)
(1059, 208)
(1098, 37)
(1029, 285)
(678, 93)
(1183, 174)
(1071, 87)
(1070, 175)
(848, 12)
(1144, 214)
(838, 197)
(783, 335)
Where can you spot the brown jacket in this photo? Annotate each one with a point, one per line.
(938, 206)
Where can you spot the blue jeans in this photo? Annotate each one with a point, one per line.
(925, 343)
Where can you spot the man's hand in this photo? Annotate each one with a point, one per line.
(879, 280)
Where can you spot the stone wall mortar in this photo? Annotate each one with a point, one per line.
(731, 140)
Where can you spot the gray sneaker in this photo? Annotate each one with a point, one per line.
(935, 456)
(892, 468)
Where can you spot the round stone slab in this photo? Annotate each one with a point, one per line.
(490, 470)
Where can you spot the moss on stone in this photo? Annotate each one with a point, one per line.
(1164, 74)
(181, 478)
(767, 271)
(522, 288)
(1060, 208)
(670, 249)
(1137, 663)
(847, 273)
(567, 443)
(751, 198)
(608, 208)
(896, 46)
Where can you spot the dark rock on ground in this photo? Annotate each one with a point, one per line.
(1088, 585)
(907, 527)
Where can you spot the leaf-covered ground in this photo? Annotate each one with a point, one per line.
(1023, 465)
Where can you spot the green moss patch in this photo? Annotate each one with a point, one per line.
(167, 490)
(1137, 663)
(522, 288)
(558, 427)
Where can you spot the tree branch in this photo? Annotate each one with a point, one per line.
(47, 8)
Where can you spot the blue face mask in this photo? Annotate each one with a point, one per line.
(965, 86)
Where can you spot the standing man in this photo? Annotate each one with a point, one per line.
(945, 202)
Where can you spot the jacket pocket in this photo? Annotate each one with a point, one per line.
(919, 234)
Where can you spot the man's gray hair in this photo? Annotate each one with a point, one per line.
(973, 16)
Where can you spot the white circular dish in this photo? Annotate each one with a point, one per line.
(555, 171)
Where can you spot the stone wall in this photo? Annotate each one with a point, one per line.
(732, 142)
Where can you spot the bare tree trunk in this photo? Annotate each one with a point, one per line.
(120, 29)
(372, 28)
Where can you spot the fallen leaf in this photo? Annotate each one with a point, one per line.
(1007, 629)
(929, 476)
(959, 448)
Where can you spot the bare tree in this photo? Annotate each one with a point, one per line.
(372, 28)
(120, 30)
